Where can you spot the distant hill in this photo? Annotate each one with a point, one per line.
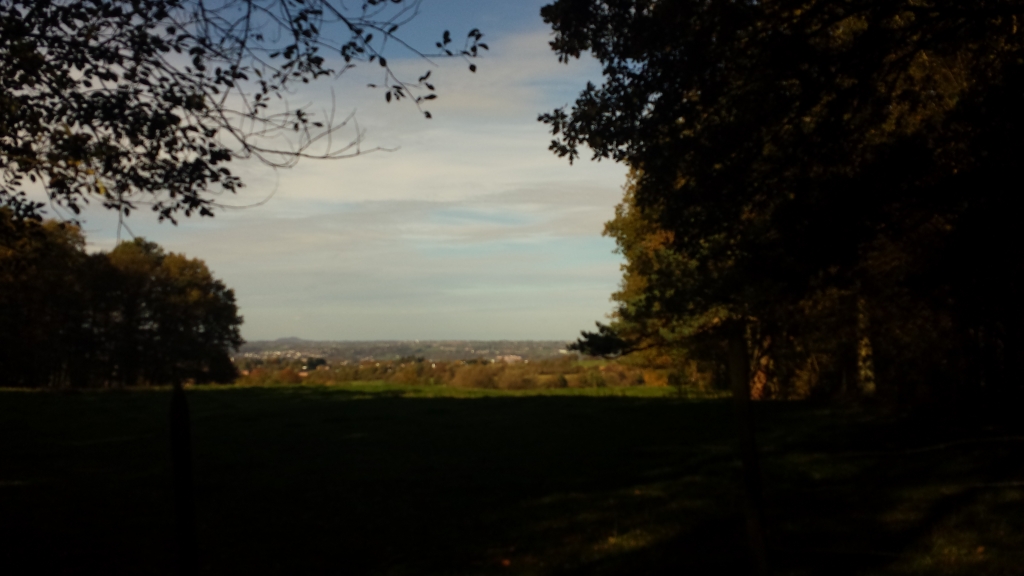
(354, 351)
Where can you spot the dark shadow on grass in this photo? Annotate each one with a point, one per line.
(329, 480)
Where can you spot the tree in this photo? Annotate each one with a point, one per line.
(136, 103)
(849, 153)
(134, 315)
(43, 322)
(177, 321)
(835, 161)
(652, 273)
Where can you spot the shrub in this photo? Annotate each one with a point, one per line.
(256, 377)
(676, 380)
(592, 379)
(516, 379)
(474, 376)
(560, 365)
(288, 376)
(655, 377)
(411, 373)
(321, 377)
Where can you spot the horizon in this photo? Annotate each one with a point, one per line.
(298, 339)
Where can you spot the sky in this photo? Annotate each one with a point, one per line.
(469, 228)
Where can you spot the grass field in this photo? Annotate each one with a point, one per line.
(379, 479)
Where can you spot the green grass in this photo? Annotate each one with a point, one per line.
(380, 389)
(374, 478)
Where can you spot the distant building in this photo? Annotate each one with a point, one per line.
(508, 359)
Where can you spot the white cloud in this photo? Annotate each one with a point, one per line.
(471, 229)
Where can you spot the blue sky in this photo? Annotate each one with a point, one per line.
(469, 229)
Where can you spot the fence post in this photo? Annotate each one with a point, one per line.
(739, 379)
(184, 501)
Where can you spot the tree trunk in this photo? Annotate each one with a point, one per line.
(865, 353)
(184, 502)
(739, 378)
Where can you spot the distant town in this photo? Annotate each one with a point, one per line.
(508, 351)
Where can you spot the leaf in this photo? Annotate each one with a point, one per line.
(472, 67)
(427, 114)
(388, 96)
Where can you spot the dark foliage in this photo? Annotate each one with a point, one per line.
(361, 481)
(135, 103)
(829, 172)
(134, 315)
(604, 342)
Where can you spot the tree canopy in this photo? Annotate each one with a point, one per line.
(844, 168)
(133, 315)
(145, 102)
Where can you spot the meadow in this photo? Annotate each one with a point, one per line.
(376, 478)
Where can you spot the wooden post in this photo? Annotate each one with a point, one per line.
(739, 379)
(865, 353)
(184, 502)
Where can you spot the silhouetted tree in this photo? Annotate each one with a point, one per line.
(849, 159)
(178, 322)
(856, 154)
(145, 102)
(44, 334)
(134, 315)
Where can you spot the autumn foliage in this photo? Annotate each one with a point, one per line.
(565, 372)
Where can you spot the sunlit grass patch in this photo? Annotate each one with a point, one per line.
(981, 536)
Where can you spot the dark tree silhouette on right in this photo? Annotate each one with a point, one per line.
(834, 181)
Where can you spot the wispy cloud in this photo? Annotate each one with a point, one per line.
(471, 229)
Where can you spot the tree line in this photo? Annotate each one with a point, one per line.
(133, 315)
(563, 372)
